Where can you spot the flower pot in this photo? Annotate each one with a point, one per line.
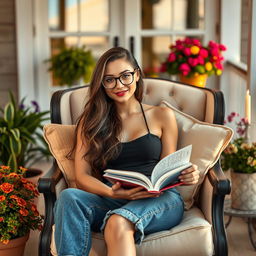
(198, 80)
(15, 247)
(243, 193)
(33, 175)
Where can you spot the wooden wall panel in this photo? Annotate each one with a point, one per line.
(8, 52)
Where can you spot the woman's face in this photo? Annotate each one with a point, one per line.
(124, 89)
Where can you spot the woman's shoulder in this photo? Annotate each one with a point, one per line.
(159, 112)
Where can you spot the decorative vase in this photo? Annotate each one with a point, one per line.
(198, 80)
(243, 193)
(15, 247)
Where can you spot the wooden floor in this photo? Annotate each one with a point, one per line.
(237, 233)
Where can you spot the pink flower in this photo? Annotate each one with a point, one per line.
(187, 51)
(178, 42)
(172, 57)
(214, 51)
(203, 53)
(185, 69)
(192, 62)
(188, 40)
(222, 47)
(179, 47)
(212, 44)
(218, 65)
(196, 42)
(200, 60)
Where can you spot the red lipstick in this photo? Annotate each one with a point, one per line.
(120, 94)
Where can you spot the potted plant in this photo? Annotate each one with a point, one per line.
(72, 64)
(21, 139)
(193, 61)
(18, 213)
(240, 158)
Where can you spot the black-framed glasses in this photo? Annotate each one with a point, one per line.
(126, 78)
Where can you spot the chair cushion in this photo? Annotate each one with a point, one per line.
(60, 139)
(210, 137)
(208, 141)
(193, 236)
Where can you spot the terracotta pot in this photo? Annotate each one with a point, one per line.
(243, 193)
(33, 175)
(15, 247)
(199, 80)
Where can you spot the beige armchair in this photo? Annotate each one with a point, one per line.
(202, 230)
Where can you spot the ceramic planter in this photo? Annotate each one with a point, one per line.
(243, 193)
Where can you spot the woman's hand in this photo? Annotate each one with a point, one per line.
(190, 176)
(130, 194)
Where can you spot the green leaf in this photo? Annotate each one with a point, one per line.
(15, 145)
(9, 113)
(16, 133)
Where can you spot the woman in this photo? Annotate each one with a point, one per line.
(117, 131)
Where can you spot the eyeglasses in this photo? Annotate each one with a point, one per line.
(126, 78)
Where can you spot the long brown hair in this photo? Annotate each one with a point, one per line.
(100, 122)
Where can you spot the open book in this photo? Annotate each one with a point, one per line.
(164, 175)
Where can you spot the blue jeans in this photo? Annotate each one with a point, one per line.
(77, 213)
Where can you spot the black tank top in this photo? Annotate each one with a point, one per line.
(140, 155)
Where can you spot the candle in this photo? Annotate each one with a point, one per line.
(248, 106)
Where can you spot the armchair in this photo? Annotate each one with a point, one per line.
(202, 230)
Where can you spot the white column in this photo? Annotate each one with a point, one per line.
(25, 55)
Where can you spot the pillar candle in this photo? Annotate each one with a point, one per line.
(248, 106)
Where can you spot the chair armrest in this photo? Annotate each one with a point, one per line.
(47, 186)
(220, 187)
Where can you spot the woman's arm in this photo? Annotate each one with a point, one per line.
(85, 181)
(169, 139)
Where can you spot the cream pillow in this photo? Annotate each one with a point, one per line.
(208, 141)
(60, 139)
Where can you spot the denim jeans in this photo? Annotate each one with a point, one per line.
(77, 213)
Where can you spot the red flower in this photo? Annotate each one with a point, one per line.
(184, 68)
(5, 167)
(21, 202)
(172, 57)
(23, 180)
(187, 51)
(23, 212)
(222, 47)
(1, 219)
(29, 186)
(192, 62)
(203, 53)
(13, 175)
(6, 187)
(200, 60)
(2, 198)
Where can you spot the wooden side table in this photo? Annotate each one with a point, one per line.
(250, 215)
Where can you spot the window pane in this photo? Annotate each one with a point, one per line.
(97, 44)
(63, 15)
(188, 14)
(94, 15)
(154, 52)
(172, 14)
(156, 14)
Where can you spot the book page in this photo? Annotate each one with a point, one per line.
(127, 175)
(172, 161)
